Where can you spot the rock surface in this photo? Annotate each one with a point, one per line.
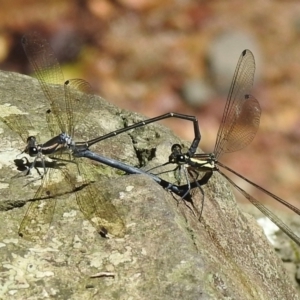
(166, 252)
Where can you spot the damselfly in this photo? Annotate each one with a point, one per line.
(238, 127)
(70, 101)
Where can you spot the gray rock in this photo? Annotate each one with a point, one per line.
(166, 252)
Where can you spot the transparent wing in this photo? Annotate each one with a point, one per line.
(71, 100)
(80, 104)
(52, 123)
(47, 70)
(236, 107)
(39, 214)
(96, 207)
(18, 123)
(242, 128)
(288, 231)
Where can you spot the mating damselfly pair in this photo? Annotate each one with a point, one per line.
(72, 100)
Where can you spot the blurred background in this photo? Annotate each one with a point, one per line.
(154, 57)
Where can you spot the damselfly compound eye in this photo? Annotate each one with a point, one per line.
(33, 151)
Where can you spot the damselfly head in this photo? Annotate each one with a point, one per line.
(177, 157)
(31, 140)
(176, 149)
(32, 148)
